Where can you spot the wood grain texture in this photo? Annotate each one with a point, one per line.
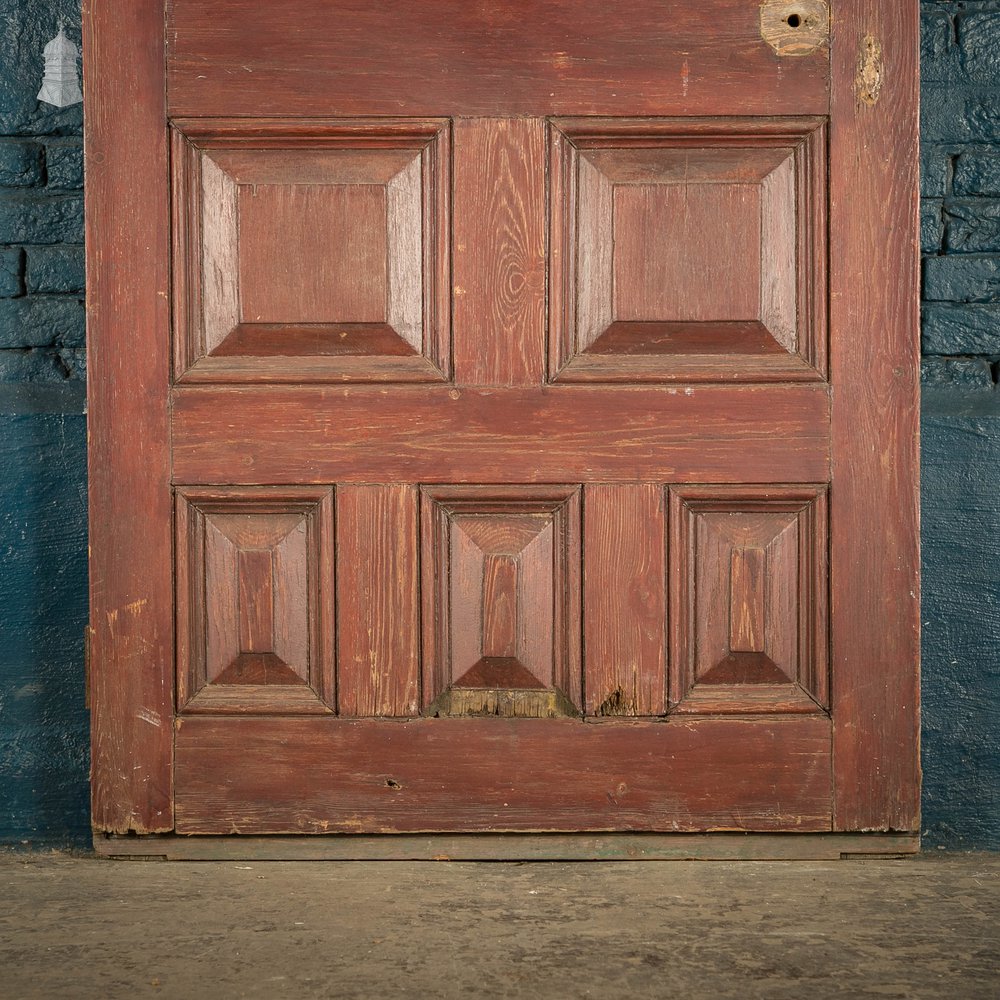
(128, 333)
(314, 254)
(215, 263)
(874, 369)
(625, 599)
(687, 252)
(451, 57)
(378, 609)
(747, 603)
(499, 251)
(365, 776)
(565, 434)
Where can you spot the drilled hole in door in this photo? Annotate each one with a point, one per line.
(793, 20)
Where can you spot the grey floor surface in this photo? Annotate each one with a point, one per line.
(78, 927)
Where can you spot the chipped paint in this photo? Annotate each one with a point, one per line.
(147, 715)
(870, 70)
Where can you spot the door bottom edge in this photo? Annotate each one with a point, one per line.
(511, 847)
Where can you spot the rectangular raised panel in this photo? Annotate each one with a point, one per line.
(688, 250)
(749, 597)
(499, 252)
(364, 434)
(311, 251)
(255, 600)
(378, 610)
(501, 600)
(624, 602)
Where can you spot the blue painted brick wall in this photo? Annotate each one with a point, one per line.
(960, 186)
(960, 236)
(43, 725)
(43, 528)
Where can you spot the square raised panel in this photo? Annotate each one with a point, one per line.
(501, 600)
(688, 250)
(311, 251)
(255, 600)
(748, 578)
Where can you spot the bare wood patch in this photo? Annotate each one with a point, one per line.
(506, 703)
(618, 703)
(796, 28)
(870, 67)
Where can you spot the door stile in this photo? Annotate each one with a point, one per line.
(128, 370)
(874, 368)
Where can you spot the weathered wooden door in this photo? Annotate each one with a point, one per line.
(503, 416)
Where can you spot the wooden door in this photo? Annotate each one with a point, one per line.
(503, 416)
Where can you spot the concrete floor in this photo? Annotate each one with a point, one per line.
(83, 928)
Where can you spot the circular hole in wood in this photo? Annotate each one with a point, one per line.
(793, 20)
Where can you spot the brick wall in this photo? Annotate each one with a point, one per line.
(960, 192)
(41, 207)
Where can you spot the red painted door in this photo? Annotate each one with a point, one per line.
(503, 417)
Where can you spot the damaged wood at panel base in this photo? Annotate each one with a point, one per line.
(504, 703)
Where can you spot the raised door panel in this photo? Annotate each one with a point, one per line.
(501, 600)
(688, 250)
(311, 252)
(255, 601)
(749, 599)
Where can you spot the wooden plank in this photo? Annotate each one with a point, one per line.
(128, 337)
(499, 251)
(378, 613)
(514, 847)
(762, 434)
(625, 599)
(446, 57)
(314, 775)
(874, 369)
